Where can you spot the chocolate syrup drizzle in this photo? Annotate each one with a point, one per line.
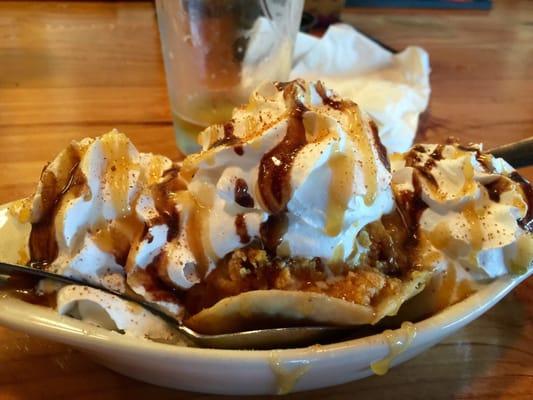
(527, 221)
(334, 103)
(241, 229)
(410, 207)
(413, 159)
(166, 208)
(382, 150)
(242, 194)
(42, 242)
(228, 139)
(154, 280)
(496, 188)
(275, 168)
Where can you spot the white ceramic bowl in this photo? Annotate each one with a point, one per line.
(236, 372)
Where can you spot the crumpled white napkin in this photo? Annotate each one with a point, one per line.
(392, 88)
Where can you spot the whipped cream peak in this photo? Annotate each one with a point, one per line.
(311, 165)
(471, 206)
(83, 212)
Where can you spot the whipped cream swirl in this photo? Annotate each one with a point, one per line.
(297, 167)
(471, 206)
(94, 203)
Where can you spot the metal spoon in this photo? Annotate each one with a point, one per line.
(519, 154)
(256, 339)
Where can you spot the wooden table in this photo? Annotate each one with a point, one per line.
(69, 70)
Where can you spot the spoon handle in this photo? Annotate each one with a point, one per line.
(518, 154)
(10, 269)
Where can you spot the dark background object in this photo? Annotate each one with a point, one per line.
(450, 4)
(308, 22)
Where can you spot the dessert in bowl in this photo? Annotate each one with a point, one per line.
(293, 214)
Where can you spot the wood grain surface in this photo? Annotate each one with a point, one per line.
(73, 69)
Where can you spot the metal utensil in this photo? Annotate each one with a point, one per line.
(519, 154)
(256, 339)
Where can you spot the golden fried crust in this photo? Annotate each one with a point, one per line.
(383, 279)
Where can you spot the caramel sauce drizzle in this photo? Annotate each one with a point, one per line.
(496, 188)
(368, 163)
(398, 342)
(473, 219)
(116, 238)
(413, 160)
(336, 104)
(155, 280)
(340, 191)
(119, 165)
(358, 134)
(469, 182)
(198, 239)
(280, 86)
(484, 159)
